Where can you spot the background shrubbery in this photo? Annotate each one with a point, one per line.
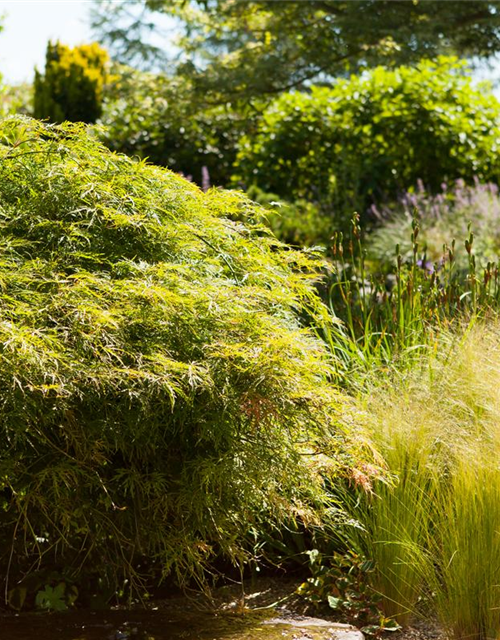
(441, 217)
(160, 118)
(327, 151)
(368, 138)
(71, 88)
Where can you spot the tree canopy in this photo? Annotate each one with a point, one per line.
(236, 49)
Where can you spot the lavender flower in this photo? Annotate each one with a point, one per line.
(205, 179)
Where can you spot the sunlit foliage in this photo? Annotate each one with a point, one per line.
(240, 50)
(160, 396)
(72, 84)
(372, 136)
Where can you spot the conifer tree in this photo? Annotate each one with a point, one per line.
(71, 87)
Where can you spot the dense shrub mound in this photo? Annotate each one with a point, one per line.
(158, 392)
(368, 138)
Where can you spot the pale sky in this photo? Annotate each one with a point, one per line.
(29, 24)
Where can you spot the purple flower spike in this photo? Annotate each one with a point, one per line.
(426, 265)
(205, 179)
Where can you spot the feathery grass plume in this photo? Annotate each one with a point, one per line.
(160, 397)
(395, 519)
(465, 547)
(435, 528)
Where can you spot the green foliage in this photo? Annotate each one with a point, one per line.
(299, 223)
(56, 598)
(371, 137)
(132, 35)
(71, 87)
(43, 589)
(160, 118)
(385, 320)
(160, 394)
(239, 50)
(16, 99)
(342, 583)
(52, 598)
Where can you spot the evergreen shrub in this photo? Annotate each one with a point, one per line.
(72, 86)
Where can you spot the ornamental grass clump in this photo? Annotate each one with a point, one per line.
(432, 525)
(159, 394)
